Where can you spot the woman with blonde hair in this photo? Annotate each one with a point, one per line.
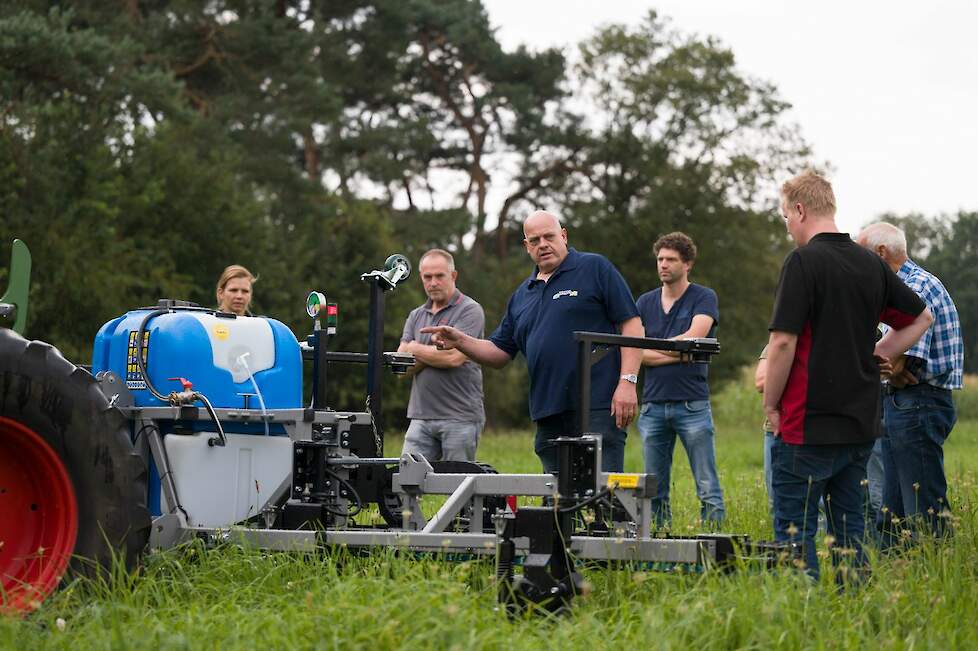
(234, 290)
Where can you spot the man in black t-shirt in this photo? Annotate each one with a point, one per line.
(821, 392)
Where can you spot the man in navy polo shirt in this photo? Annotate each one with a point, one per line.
(568, 291)
(676, 397)
(821, 391)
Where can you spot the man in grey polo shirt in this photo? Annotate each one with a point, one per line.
(446, 410)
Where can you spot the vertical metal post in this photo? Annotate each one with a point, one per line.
(319, 369)
(583, 385)
(375, 361)
(565, 489)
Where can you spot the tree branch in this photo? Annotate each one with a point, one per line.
(534, 183)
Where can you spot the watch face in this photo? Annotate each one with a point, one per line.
(630, 378)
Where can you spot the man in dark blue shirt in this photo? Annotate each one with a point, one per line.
(568, 291)
(676, 397)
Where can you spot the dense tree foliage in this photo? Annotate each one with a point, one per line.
(144, 145)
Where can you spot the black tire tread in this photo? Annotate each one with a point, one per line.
(64, 404)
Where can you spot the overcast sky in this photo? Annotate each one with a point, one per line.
(887, 92)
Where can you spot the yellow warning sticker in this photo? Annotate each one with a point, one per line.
(221, 332)
(623, 479)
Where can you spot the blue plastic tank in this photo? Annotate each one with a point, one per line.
(218, 354)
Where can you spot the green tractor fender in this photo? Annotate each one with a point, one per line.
(13, 304)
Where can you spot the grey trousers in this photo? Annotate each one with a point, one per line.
(443, 440)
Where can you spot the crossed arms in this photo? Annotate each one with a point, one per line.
(699, 327)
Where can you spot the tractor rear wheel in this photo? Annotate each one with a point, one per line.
(72, 488)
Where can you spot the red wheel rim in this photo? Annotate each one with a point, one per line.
(38, 517)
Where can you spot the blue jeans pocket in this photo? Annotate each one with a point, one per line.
(806, 463)
(697, 406)
(903, 419)
(904, 402)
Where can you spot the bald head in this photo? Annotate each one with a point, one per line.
(540, 218)
(885, 240)
(545, 240)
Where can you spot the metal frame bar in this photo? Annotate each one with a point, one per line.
(587, 357)
(687, 551)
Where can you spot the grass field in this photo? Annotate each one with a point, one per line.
(229, 597)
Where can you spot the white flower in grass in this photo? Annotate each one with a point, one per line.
(61, 624)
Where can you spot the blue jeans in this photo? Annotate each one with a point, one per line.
(692, 421)
(804, 474)
(565, 424)
(875, 473)
(768, 444)
(917, 420)
(443, 440)
(768, 479)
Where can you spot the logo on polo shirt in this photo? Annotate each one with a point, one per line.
(566, 292)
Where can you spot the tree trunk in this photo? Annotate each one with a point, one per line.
(311, 155)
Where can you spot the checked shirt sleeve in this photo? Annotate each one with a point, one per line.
(926, 291)
(941, 347)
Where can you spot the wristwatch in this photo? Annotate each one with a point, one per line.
(630, 377)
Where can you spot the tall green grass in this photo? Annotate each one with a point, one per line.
(198, 598)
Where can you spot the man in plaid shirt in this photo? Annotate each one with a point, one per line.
(918, 412)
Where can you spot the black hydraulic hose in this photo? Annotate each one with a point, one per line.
(604, 492)
(353, 492)
(223, 439)
(139, 354)
(196, 395)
